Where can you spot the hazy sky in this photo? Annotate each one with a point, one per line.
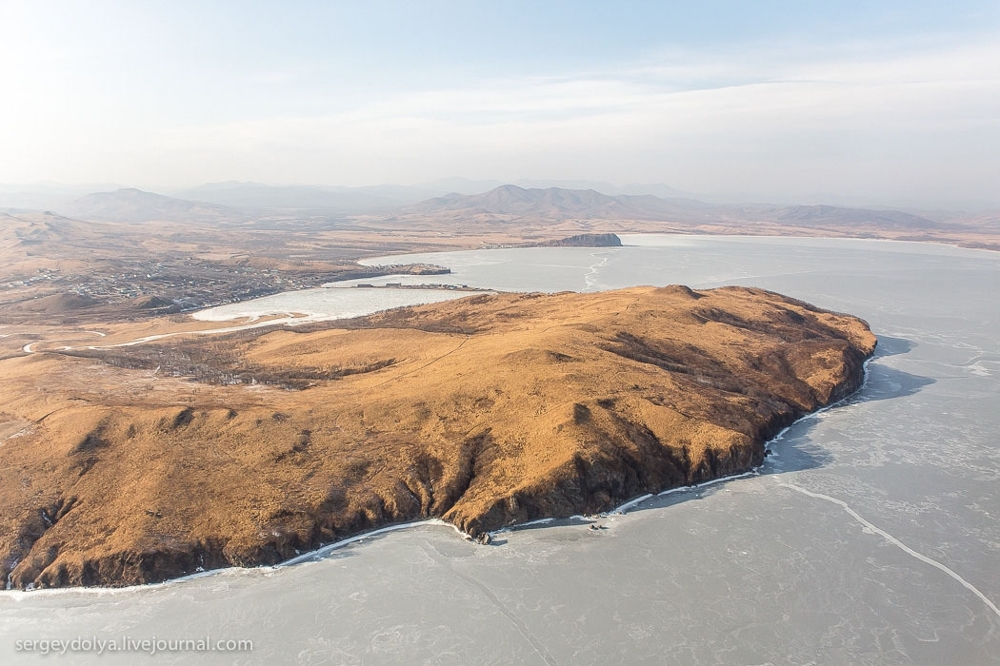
(892, 102)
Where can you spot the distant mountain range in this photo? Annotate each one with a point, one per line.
(347, 200)
(232, 203)
(46, 196)
(132, 205)
(344, 200)
(837, 215)
(559, 203)
(257, 196)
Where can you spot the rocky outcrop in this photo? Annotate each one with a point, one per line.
(585, 240)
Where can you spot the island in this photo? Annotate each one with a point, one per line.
(584, 240)
(141, 463)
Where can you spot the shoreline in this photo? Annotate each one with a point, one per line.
(373, 260)
(291, 318)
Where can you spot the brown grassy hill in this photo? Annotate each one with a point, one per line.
(484, 411)
(54, 304)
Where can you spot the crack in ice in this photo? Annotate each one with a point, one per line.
(590, 277)
(896, 542)
(518, 623)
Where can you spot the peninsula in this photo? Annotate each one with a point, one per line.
(136, 464)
